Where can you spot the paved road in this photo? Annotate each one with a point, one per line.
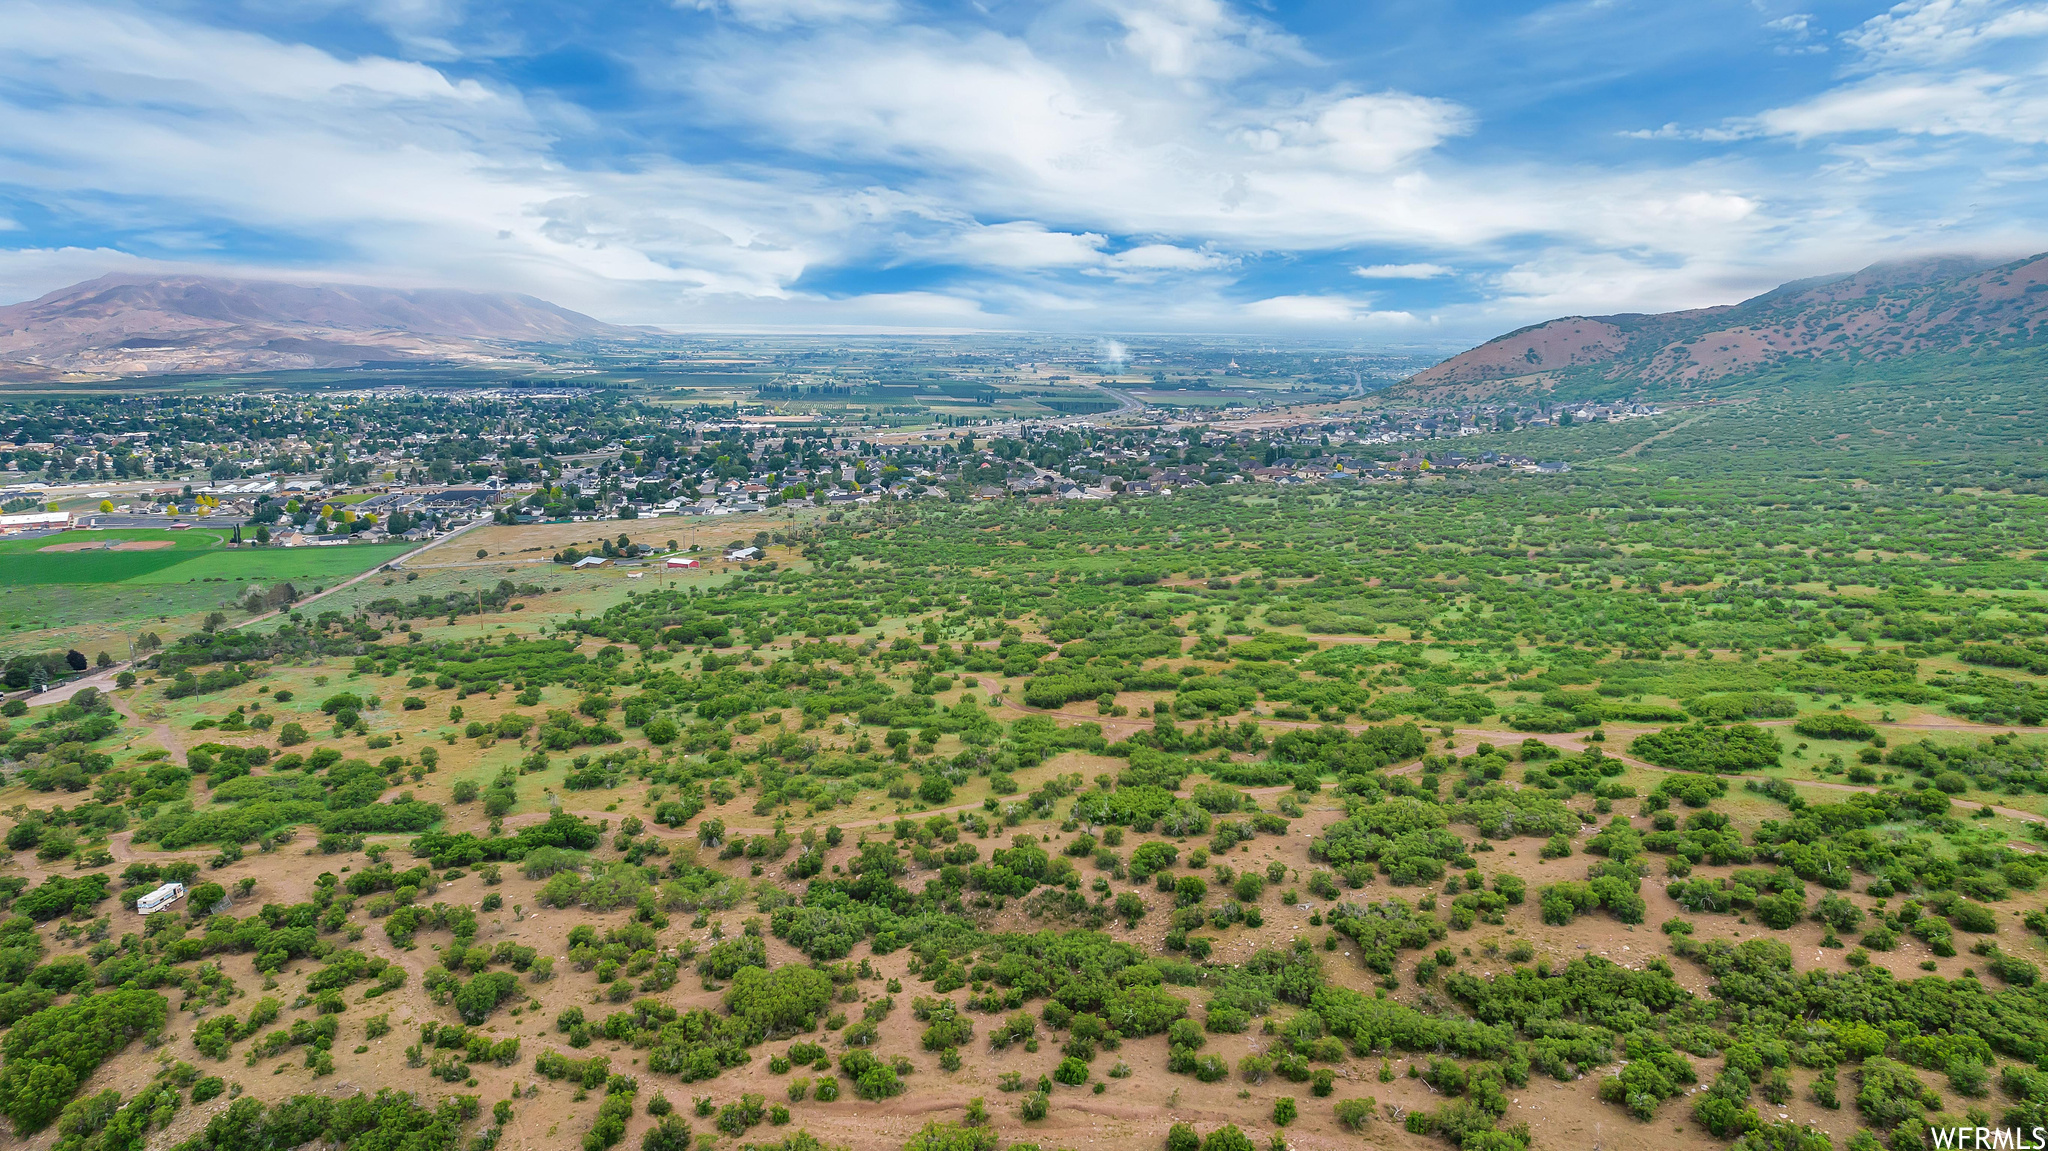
(102, 679)
(223, 521)
(1130, 402)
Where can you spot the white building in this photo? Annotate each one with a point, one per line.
(34, 522)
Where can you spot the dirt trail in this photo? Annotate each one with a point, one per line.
(165, 738)
(1630, 451)
(1127, 724)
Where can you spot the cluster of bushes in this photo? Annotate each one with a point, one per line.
(1709, 747)
(389, 1118)
(46, 1055)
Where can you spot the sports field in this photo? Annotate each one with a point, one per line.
(91, 589)
(152, 556)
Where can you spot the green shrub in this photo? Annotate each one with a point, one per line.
(1833, 725)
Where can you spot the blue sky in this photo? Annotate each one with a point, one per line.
(1421, 172)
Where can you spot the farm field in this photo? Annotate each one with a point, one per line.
(1694, 798)
(97, 588)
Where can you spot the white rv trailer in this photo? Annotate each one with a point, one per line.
(161, 898)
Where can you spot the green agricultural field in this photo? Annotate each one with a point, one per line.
(320, 565)
(192, 556)
(42, 591)
(86, 567)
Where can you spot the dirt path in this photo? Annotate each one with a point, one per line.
(1127, 723)
(1630, 451)
(1937, 724)
(162, 731)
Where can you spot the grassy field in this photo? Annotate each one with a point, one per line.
(195, 554)
(84, 542)
(86, 567)
(321, 565)
(92, 599)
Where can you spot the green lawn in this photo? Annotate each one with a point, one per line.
(183, 565)
(43, 590)
(86, 567)
(320, 565)
(189, 540)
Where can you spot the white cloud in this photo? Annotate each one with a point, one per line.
(776, 14)
(1026, 245)
(421, 25)
(391, 164)
(1165, 257)
(1199, 38)
(1926, 68)
(1122, 168)
(121, 57)
(1323, 311)
(1381, 132)
(998, 129)
(1918, 103)
(26, 273)
(1403, 271)
(1800, 30)
(1944, 31)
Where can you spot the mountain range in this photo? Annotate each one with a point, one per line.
(1883, 313)
(142, 325)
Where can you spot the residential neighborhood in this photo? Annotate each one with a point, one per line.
(402, 465)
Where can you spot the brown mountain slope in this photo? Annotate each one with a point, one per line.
(133, 325)
(1885, 311)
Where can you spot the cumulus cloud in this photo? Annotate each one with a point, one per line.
(1164, 257)
(1971, 102)
(1110, 162)
(776, 14)
(1924, 68)
(1376, 133)
(1323, 311)
(1027, 245)
(1403, 271)
(998, 128)
(1200, 38)
(1945, 31)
